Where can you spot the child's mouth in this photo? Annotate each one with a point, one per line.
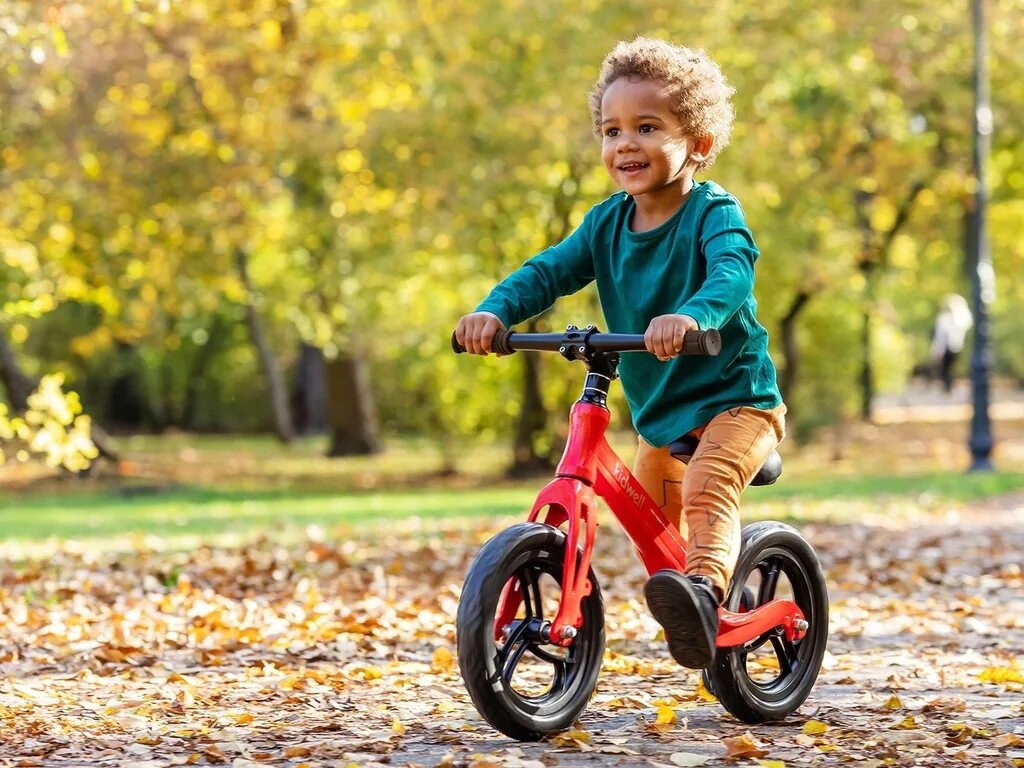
(632, 168)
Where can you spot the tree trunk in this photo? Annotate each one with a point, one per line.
(353, 421)
(790, 349)
(309, 394)
(19, 387)
(867, 374)
(533, 419)
(275, 382)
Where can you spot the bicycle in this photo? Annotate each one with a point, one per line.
(501, 621)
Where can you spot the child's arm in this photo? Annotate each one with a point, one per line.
(729, 251)
(554, 272)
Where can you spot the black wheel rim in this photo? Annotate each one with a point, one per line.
(793, 657)
(524, 640)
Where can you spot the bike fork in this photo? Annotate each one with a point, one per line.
(567, 500)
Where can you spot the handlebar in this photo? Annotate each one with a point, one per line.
(505, 342)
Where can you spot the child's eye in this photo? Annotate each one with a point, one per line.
(612, 132)
(646, 128)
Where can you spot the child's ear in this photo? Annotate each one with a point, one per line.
(702, 148)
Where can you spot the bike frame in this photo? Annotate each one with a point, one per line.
(589, 469)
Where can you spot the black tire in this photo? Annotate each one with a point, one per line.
(747, 602)
(773, 550)
(488, 668)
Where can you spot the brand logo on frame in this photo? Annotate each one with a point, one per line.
(622, 478)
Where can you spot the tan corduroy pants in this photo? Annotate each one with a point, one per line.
(702, 498)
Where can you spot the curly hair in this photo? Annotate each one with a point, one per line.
(698, 89)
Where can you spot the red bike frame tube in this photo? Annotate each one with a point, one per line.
(588, 468)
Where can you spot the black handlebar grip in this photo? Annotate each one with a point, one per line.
(499, 344)
(707, 342)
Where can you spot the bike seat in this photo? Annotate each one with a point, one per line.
(684, 448)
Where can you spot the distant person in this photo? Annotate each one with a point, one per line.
(669, 255)
(951, 326)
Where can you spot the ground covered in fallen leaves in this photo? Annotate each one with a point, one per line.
(338, 650)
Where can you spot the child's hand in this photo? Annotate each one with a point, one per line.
(476, 331)
(664, 336)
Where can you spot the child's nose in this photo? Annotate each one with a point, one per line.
(626, 142)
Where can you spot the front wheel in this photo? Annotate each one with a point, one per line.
(521, 684)
(770, 678)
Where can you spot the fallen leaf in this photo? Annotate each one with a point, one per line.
(574, 739)
(814, 728)
(945, 704)
(703, 693)
(442, 660)
(1011, 674)
(614, 749)
(688, 759)
(666, 716)
(742, 746)
(893, 703)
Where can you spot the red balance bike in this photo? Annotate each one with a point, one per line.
(530, 624)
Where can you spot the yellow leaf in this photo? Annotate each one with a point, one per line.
(1011, 674)
(893, 702)
(907, 723)
(372, 673)
(442, 660)
(243, 719)
(292, 682)
(1008, 740)
(703, 693)
(815, 728)
(742, 746)
(397, 727)
(626, 702)
(575, 738)
(297, 751)
(772, 763)
(478, 760)
(666, 716)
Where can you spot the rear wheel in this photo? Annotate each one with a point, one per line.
(769, 678)
(523, 685)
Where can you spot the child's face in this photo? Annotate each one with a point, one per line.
(644, 147)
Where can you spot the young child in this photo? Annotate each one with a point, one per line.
(668, 254)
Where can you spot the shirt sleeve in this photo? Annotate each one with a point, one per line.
(556, 271)
(729, 252)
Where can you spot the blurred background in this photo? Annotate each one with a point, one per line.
(235, 238)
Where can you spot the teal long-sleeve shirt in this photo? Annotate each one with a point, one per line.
(700, 262)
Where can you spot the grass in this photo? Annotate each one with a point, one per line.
(204, 512)
(189, 489)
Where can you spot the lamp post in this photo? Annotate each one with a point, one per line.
(982, 274)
